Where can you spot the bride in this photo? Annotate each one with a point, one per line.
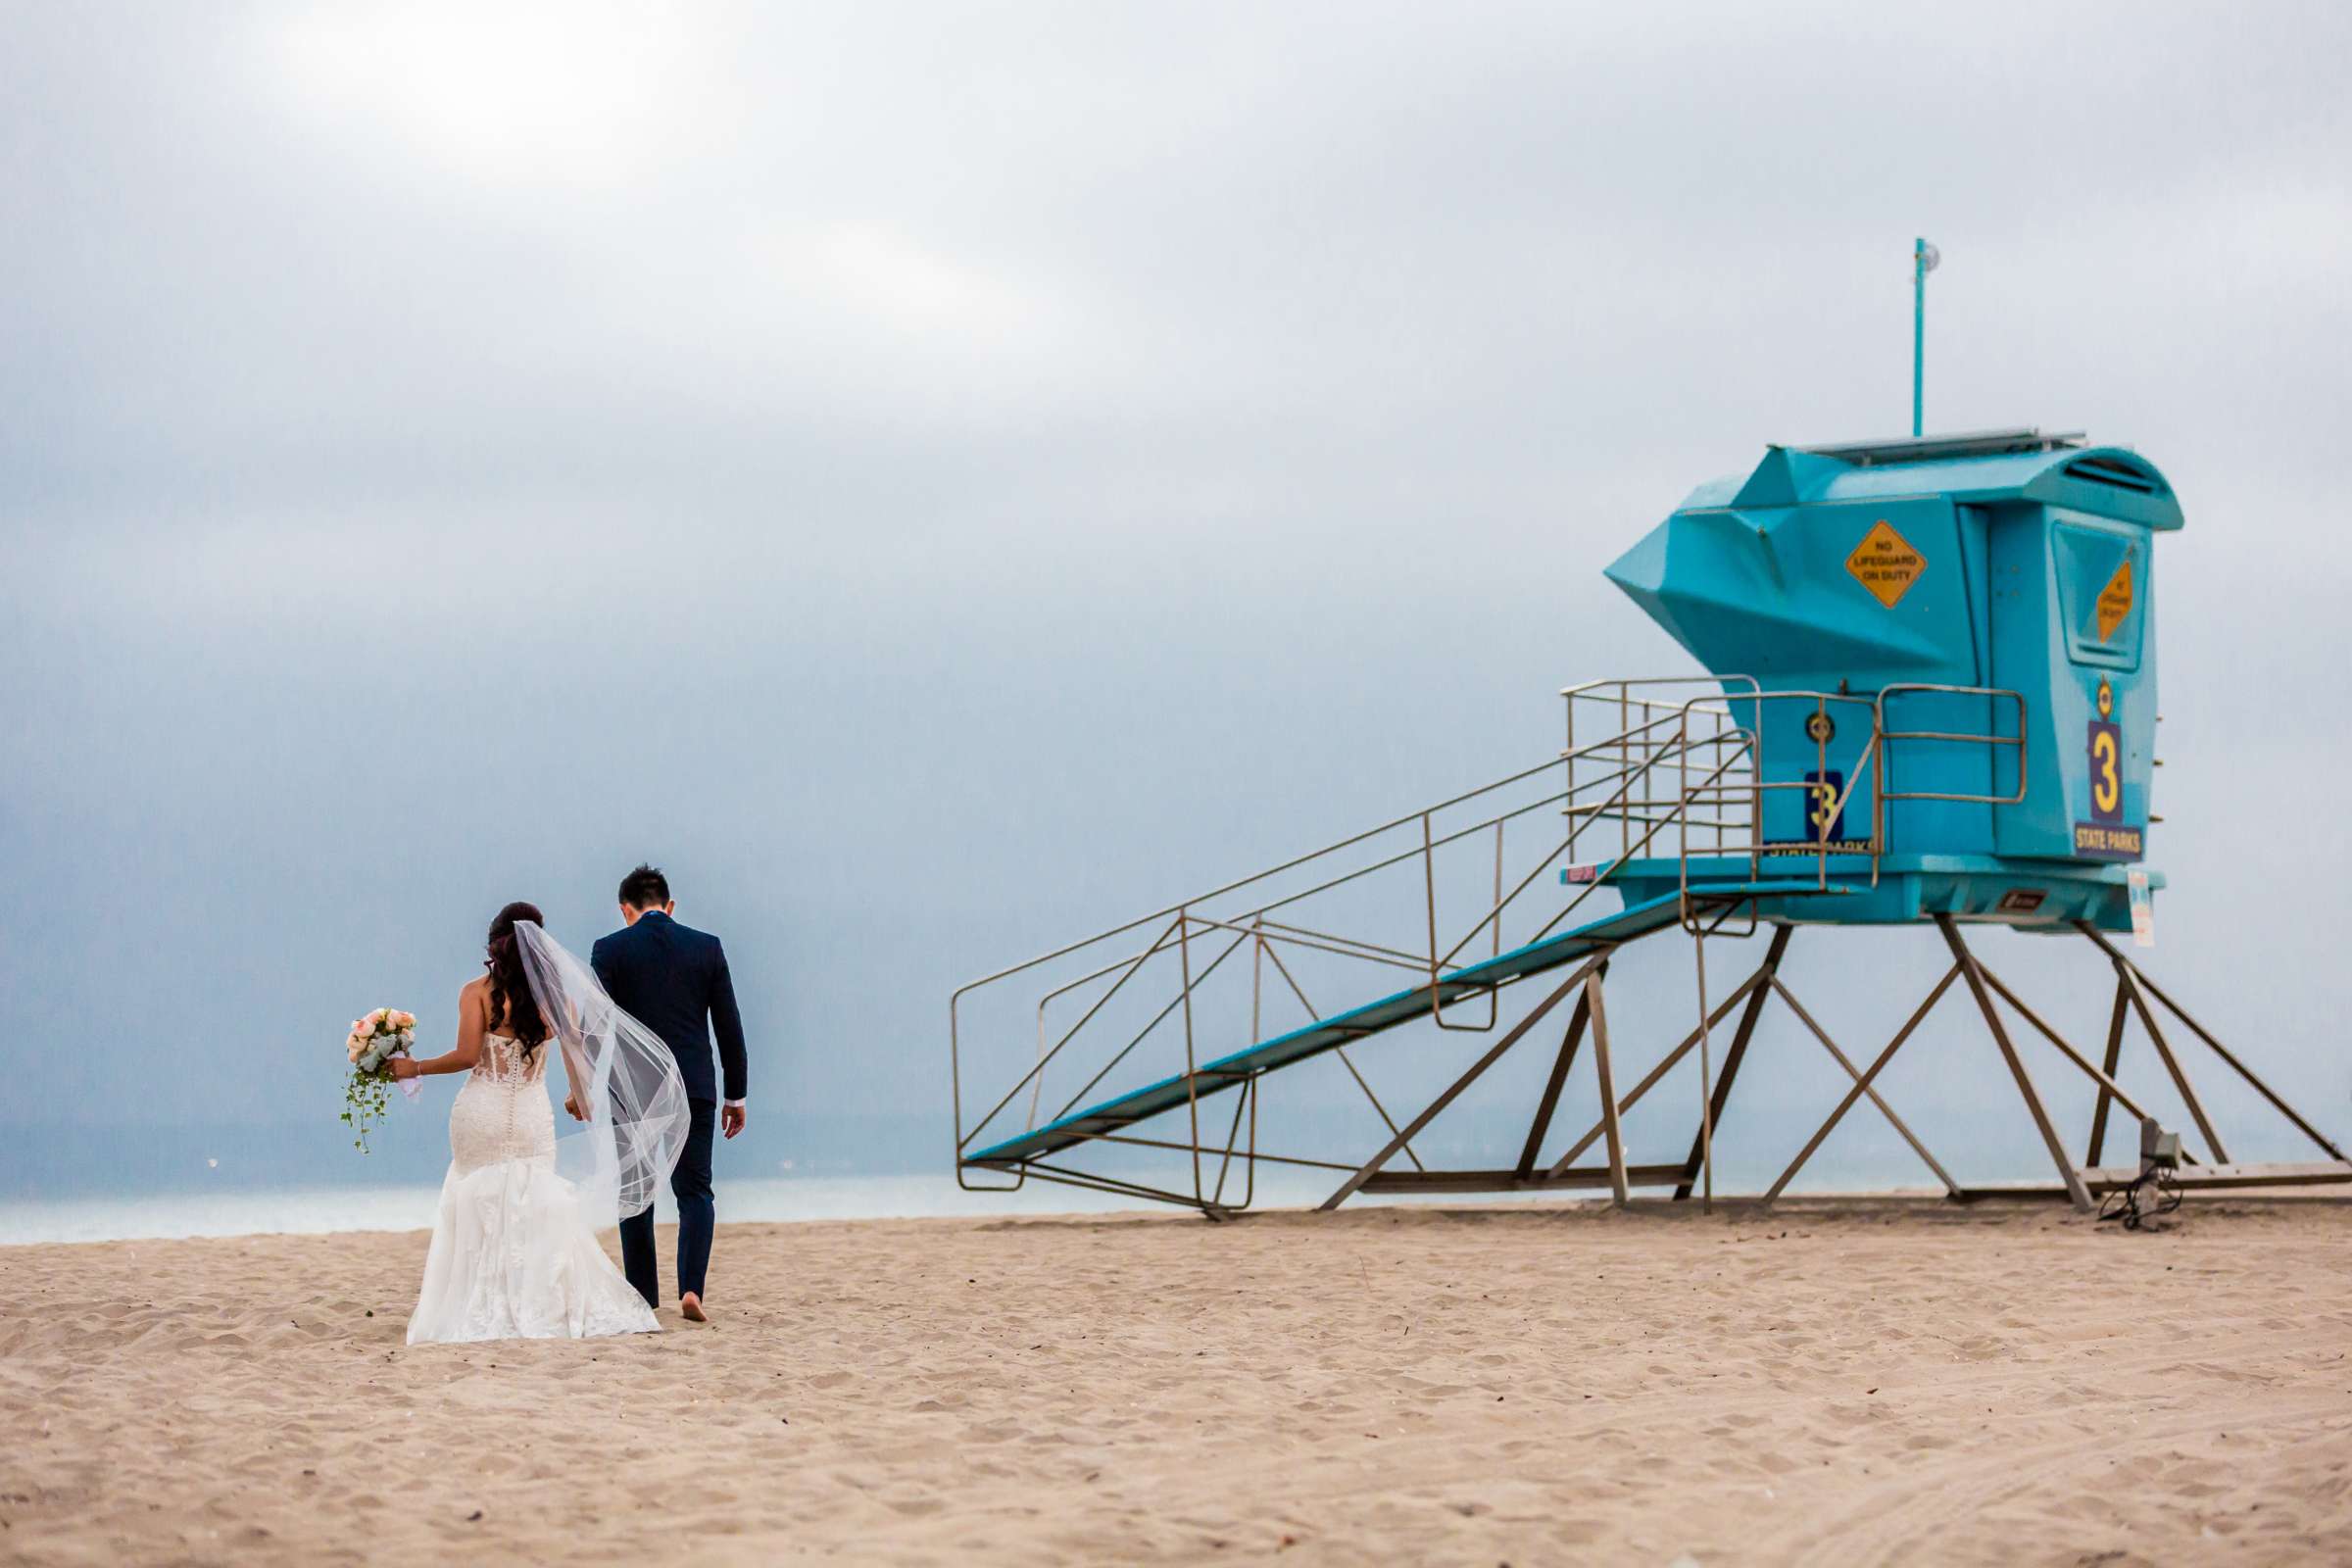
(514, 1251)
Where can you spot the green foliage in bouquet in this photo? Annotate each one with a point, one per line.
(365, 1097)
(375, 1041)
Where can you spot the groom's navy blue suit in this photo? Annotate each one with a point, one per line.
(673, 980)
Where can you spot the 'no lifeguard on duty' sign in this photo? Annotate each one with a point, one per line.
(1886, 564)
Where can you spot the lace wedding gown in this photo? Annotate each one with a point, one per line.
(512, 1256)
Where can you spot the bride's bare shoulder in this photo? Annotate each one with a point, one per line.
(477, 993)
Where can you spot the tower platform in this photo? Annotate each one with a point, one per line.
(2054, 896)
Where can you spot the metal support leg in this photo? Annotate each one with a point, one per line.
(1495, 1054)
(2115, 1054)
(1650, 1079)
(2075, 1190)
(1734, 1057)
(2206, 1035)
(1233, 1136)
(1192, 1078)
(1552, 1088)
(1706, 1081)
(2188, 1095)
(1862, 1084)
(1341, 1051)
(2108, 1086)
(1608, 1090)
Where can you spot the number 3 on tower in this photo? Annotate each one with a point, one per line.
(2106, 773)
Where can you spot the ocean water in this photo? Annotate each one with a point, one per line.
(319, 1209)
(408, 1206)
(316, 1210)
(78, 1183)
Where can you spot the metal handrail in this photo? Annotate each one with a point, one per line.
(1501, 902)
(1290, 864)
(1706, 808)
(1879, 723)
(1184, 919)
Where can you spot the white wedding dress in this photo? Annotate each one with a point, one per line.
(513, 1256)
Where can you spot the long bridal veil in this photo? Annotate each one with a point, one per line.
(621, 1075)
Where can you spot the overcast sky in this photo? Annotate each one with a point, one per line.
(943, 478)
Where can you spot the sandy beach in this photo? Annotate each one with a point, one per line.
(1837, 1383)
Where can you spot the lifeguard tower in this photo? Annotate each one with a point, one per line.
(1931, 701)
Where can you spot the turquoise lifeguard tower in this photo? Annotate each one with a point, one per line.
(1945, 645)
(1928, 698)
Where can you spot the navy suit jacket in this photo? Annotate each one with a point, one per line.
(673, 980)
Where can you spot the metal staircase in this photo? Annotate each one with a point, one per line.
(1661, 779)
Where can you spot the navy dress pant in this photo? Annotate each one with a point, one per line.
(690, 1184)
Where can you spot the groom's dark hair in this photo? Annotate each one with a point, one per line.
(644, 888)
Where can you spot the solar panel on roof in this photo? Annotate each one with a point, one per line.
(1942, 448)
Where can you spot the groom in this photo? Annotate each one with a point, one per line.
(674, 981)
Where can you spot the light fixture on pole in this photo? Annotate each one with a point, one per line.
(1924, 257)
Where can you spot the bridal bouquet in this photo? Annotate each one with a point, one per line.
(376, 1040)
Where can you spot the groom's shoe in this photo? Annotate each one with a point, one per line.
(690, 1307)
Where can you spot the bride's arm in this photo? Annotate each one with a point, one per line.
(470, 1027)
(573, 1078)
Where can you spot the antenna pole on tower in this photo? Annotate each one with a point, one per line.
(1924, 257)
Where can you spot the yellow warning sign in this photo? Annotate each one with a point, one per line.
(2115, 600)
(1886, 564)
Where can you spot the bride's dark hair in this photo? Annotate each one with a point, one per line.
(510, 986)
